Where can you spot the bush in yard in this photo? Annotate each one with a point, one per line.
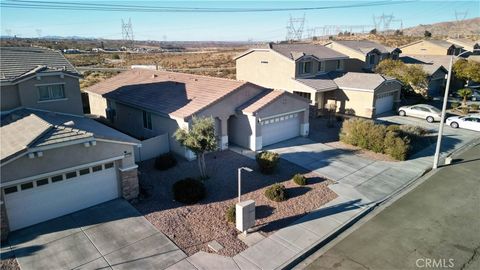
(454, 105)
(230, 214)
(188, 191)
(413, 130)
(393, 128)
(267, 161)
(299, 179)
(364, 134)
(276, 193)
(395, 146)
(165, 162)
(474, 107)
(465, 110)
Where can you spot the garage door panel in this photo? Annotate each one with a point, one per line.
(280, 128)
(384, 103)
(28, 207)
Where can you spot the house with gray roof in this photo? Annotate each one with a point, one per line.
(53, 159)
(364, 55)
(150, 103)
(431, 47)
(310, 71)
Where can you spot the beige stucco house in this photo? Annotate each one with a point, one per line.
(364, 55)
(53, 160)
(466, 44)
(149, 103)
(431, 47)
(311, 71)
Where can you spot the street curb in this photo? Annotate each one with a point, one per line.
(378, 206)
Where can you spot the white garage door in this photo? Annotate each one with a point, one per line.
(384, 103)
(280, 128)
(43, 199)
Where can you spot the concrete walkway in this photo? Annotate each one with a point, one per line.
(360, 183)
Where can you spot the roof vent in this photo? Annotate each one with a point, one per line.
(154, 75)
(69, 123)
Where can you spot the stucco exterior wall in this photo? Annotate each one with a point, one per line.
(240, 131)
(424, 48)
(360, 103)
(284, 104)
(72, 104)
(98, 104)
(9, 98)
(63, 158)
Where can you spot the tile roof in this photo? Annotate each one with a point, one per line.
(442, 43)
(16, 62)
(295, 51)
(364, 46)
(26, 128)
(319, 82)
(429, 63)
(167, 93)
(368, 81)
(260, 101)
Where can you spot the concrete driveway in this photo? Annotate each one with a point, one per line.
(112, 235)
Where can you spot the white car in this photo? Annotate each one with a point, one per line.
(471, 122)
(424, 111)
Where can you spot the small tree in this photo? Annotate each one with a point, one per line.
(464, 93)
(200, 139)
(412, 76)
(467, 70)
(427, 34)
(373, 31)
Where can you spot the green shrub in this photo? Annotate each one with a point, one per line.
(230, 214)
(267, 161)
(299, 179)
(364, 134)
(276, 193)
(454, 105)
(165, 162)
(393, 128)
(188, 191)
(474, 107)
(413, 130)
(395, 146)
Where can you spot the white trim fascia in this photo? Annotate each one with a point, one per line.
(119, 142)
(61, 113)
(43, 175)
(45, 75)
(250, 51)
(357, 89)
(128, 168)
(280, 114)
(59, 145)
(46, 84)
(323, 59)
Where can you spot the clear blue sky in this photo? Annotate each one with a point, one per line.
(257, 26)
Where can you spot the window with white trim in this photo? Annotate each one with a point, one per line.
(147, 120)
(51, 92)
(305, 67)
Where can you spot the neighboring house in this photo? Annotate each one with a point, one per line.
(38, 78)
(466, 44)
(147, 103)
(53, 160)
(363, 55)
(309, 70)
(431, 47)
(436, 66)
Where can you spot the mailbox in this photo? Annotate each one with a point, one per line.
(245, 215)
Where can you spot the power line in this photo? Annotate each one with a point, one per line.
(58, 5)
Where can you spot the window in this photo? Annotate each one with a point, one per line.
(9, 190)
(51, 92)
(96, 168)
(321, 67)
(305, 67)
(371, 59)
(147, 120)
(42, 182)
(108, 165)
(84, 171)
(28, 185)
(57, 178)
(339, 64)
(71, 175)
(264, 62)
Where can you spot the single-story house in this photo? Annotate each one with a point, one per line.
(364, 94)
(53, 164)
(148, 103)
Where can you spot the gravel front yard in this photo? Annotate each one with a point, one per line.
(9, 264)
(193, 227)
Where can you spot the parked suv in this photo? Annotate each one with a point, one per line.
(424, 111)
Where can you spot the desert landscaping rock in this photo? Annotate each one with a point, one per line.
(192, 227)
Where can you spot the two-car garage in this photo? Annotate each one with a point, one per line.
(47, 197)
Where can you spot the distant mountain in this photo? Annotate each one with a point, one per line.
(452, 29)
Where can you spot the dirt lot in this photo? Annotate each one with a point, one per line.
(192, 227)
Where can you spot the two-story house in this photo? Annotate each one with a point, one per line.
(431, 47)
(53, 160)
(311, 71)
(364, 55)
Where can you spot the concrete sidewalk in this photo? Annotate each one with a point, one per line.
(360, 183)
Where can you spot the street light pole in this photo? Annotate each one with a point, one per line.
(436, 158)
(240, 180)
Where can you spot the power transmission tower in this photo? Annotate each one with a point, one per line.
(127, 33)
(382, 23)
(295, 28)
(460, 17)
